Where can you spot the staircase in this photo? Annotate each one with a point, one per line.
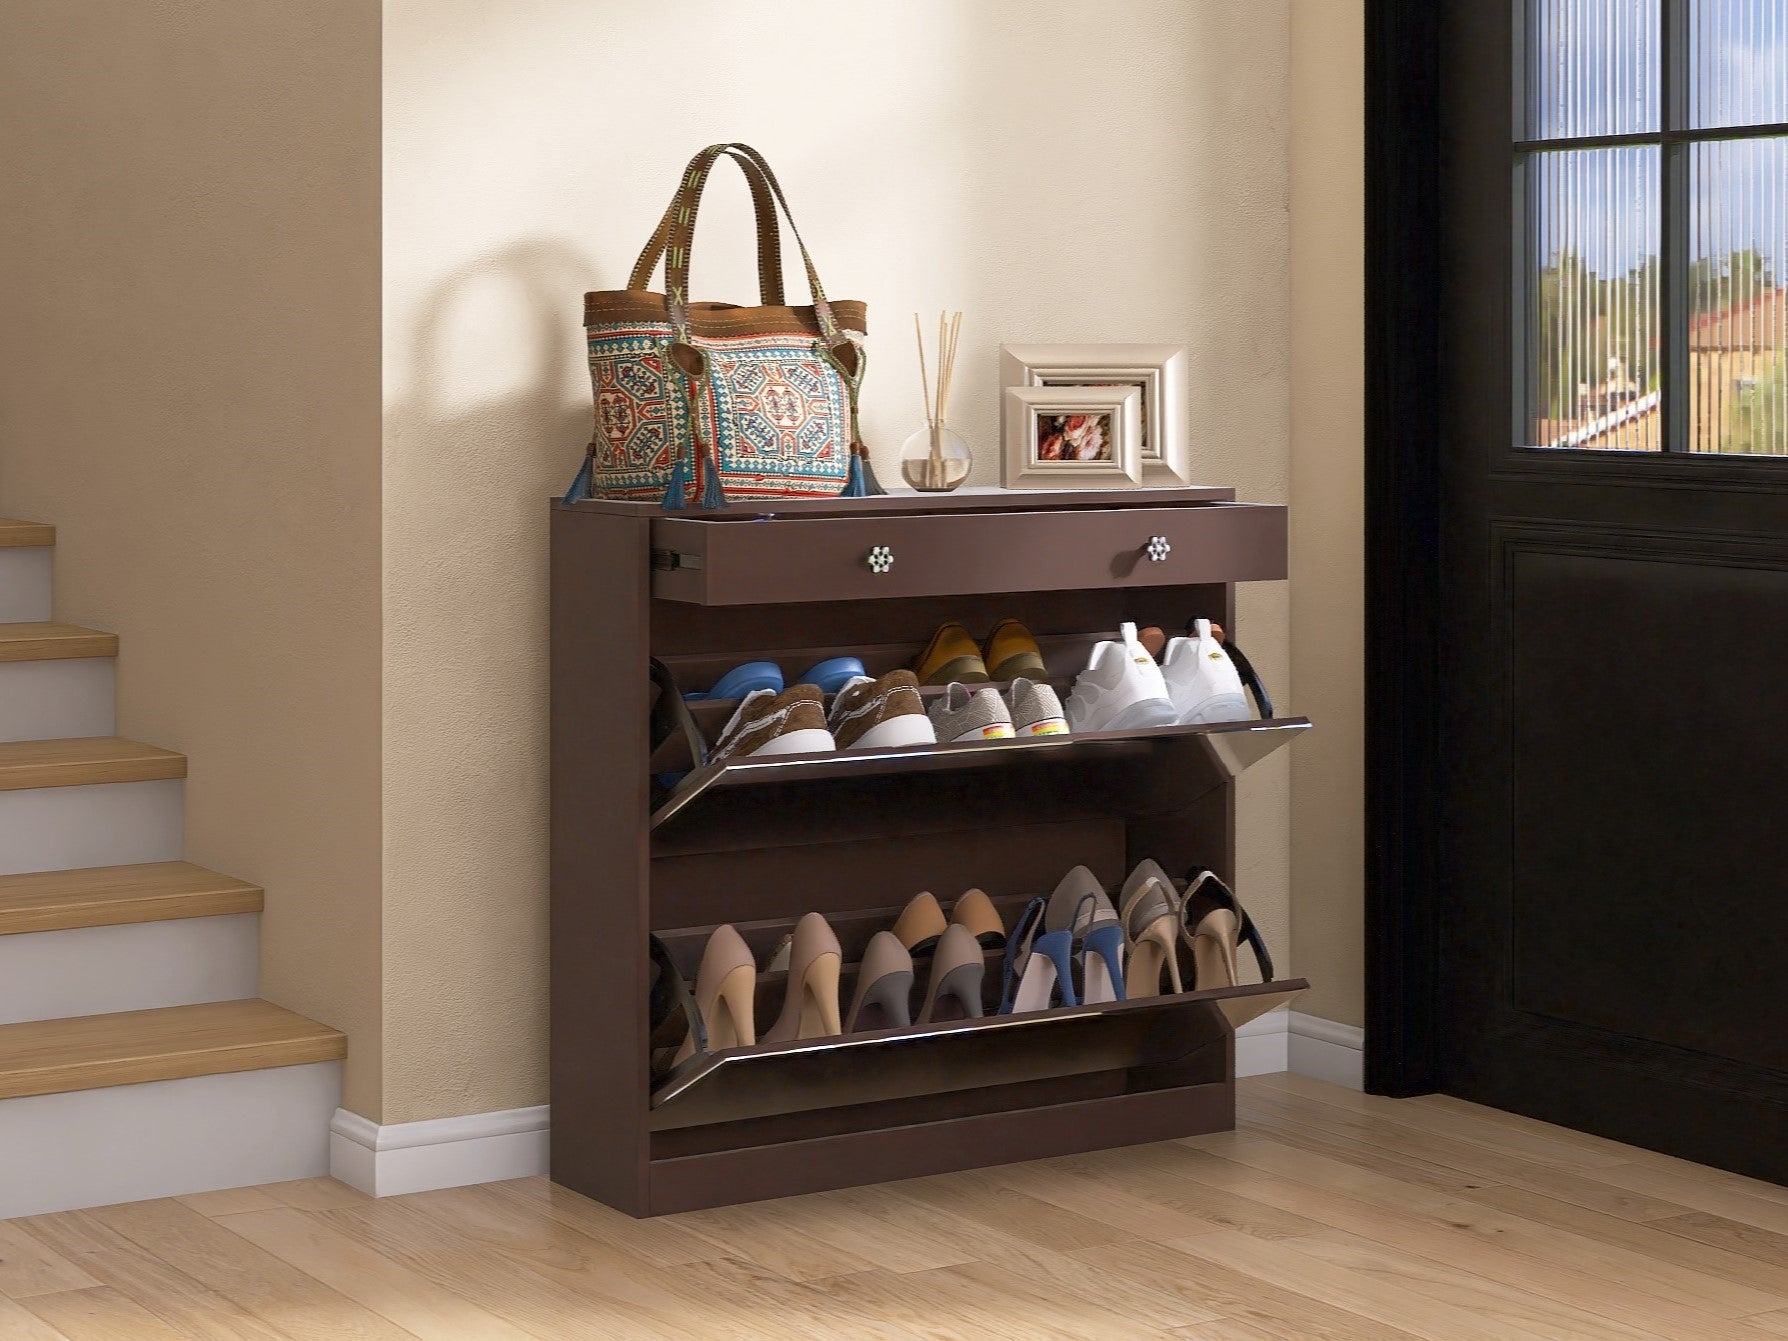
(136, 1059)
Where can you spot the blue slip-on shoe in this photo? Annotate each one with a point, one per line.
(833, 674)
(742, 680)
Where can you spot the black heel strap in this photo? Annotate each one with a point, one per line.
(670, 714)
(671, 996)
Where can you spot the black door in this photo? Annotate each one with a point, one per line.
(1607, 656)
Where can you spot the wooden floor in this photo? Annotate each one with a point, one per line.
(1329, 1214)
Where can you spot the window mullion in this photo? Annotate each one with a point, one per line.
(1673, 231)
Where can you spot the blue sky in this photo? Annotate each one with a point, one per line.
(1594, 70)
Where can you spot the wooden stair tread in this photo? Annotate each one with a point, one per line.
(102, 896)
(15, 532)
(93, 1051)
(52, 642)
(82, 760)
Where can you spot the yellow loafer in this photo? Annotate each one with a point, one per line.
(952, 654)
(1011, 651)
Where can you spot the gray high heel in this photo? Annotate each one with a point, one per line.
(884, 997)
(957, 971)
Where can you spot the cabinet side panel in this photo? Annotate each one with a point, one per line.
(600, 700)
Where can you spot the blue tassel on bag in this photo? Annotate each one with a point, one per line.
(713, 496)
(580, 486)
(676, 493)
(854, 487)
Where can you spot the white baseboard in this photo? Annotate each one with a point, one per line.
(167, 1138)
(1324, 1050)
(1260, 1045)
(57, 699)
(105, 824)
(401, 1157)
(25, 583)
(1307, 1045)
(49, 975)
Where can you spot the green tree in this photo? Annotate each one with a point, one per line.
(1760, 425)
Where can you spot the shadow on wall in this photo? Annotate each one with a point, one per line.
(466, 484)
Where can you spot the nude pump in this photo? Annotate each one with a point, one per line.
(1214, 925)
(1149, 906)
(725, 992)
(810, 1008)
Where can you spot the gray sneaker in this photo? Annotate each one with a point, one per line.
(1036, 711)
(961, 715)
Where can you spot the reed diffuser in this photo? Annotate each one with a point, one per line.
(936, 460)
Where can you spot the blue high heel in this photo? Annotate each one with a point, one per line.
(1080, 908)
(1039, 967)
(1102, 963)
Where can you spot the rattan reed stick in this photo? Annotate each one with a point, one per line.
(937, 398)
(924, 376)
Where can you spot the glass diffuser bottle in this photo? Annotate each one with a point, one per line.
(936, 459)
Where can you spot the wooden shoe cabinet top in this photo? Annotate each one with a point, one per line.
(855, 835)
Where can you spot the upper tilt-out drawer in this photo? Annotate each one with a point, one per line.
(732, 559)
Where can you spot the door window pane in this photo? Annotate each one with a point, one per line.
(1592, 330)
(1593, 67)
(1738, 62)
(1738, 329)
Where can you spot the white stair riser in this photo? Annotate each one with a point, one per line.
(25, 583)
(107, 824)
(53, 700)
(48, 975)
(168, 1138)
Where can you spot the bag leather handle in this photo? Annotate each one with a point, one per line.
(769, 236)
(682, 233)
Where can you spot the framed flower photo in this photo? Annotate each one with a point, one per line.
(1072, 437)
(1159, 372)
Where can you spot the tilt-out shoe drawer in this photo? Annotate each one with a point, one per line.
(742, 558)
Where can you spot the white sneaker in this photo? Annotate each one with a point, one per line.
(1121, 689)
(1202, 681)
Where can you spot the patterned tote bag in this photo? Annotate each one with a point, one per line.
(736, 403)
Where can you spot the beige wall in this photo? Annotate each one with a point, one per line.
(1060, 171)
(189, 390)
(1327, 487)
(352, 646)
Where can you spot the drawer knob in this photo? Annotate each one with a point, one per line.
(1159, 549)
(881, 558)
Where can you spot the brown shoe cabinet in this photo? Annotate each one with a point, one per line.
(760, 842)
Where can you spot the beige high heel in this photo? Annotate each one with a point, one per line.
(725, 993)
(1213, 943)
(1151, 913)
(920, 924)
(810, 1008)
(1214, 925)
(975, 911)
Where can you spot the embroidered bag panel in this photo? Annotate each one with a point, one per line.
(777, 411)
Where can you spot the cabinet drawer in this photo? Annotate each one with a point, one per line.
(770, 560)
